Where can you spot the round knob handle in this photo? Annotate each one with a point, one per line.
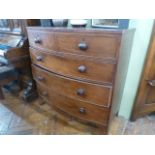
(39, 58)
(40, 78)
(83, 46)
(37, 40)
(151, 82)
(82, 69)
(80, 92)
(82, 110)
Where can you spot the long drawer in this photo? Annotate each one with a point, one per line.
(96, 70)
(76, 108)
(91, 93)
(87, 43)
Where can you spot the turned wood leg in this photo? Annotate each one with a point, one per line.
(1, 93)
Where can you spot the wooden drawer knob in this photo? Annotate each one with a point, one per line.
(37, 40)
(151, 83)
(82, 69)
(83, 46)
(39, 58)
(80, 92)
(82, 110)
(40, 78)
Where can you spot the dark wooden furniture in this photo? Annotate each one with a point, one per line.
(145, 99)
(75, 70)
(14, 48)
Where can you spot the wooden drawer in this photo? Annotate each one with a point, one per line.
(96, 70)
(76, 108)
(87, 43)
(42, 39)
(91, 93)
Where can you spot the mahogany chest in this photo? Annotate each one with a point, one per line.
(75, 70)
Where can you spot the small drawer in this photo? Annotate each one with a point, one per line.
(88, 43)
(77, 108)
(75, 67)
(91, 93)
(42, 39)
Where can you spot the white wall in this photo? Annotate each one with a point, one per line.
(137, 58)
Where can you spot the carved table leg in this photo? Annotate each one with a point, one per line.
(1, 93)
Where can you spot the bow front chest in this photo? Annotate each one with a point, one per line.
(75, 70)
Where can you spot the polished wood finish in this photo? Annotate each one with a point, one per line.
(102, 45)
(88, 92)
(74, 107)
(75, 66)
(75, 70)
(145, 100)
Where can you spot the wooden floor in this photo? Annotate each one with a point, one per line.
(18, 118)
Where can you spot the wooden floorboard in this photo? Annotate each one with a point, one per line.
(18, 118)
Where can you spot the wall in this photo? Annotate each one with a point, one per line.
(137, 58)
(122, 69)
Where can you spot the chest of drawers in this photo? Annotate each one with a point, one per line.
(75, 70)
